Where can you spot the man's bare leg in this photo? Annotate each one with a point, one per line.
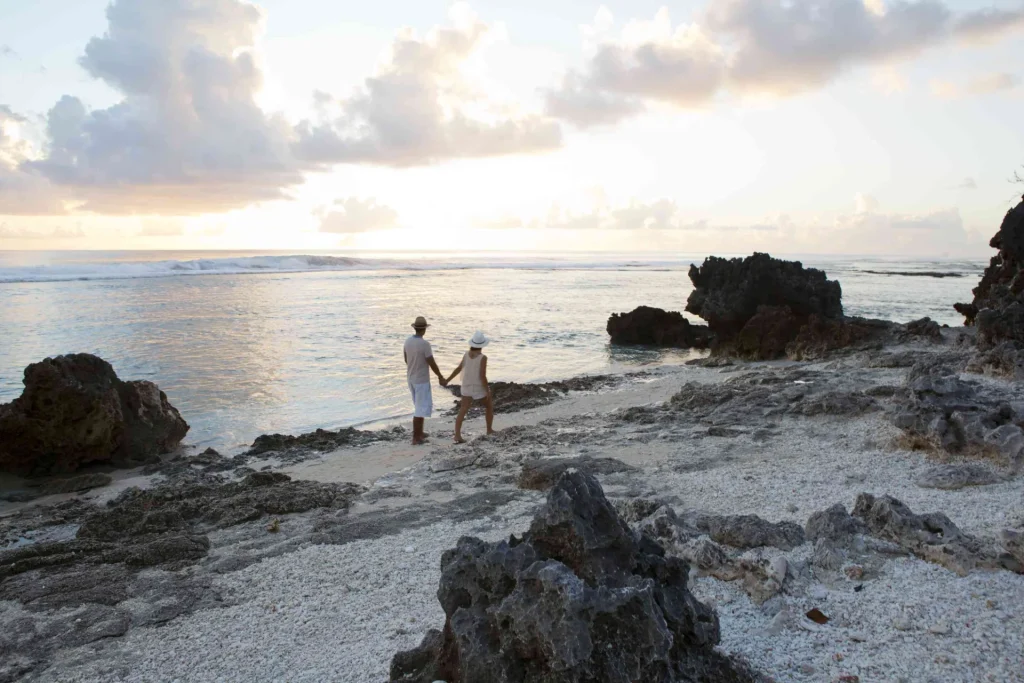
(489, 406)
(463, 409)
(417, 431)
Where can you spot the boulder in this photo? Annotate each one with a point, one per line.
(751, 531)
(74, 411)
(580, 597)
(656, 327)
(932, 536)
(833, 524)
(953, 477)
(728, 292)
(923, 327)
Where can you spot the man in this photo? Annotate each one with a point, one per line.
(419, 361)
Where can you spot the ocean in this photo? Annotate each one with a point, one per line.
(247, 343)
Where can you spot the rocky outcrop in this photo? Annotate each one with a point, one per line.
(74, 411)
(941, 411)
(751, 531)
(931, 536)
(511, 397)
(320, 441)
(580, 597)
(821, 337)
(997, 309)
(728, 292)
(167, 525)
(761, 308)
(656, 327)
(999, 294)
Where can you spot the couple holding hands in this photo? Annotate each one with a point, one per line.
(419, 362)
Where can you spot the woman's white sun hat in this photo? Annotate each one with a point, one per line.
(479, 340)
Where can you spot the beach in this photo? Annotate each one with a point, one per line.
(333, 594)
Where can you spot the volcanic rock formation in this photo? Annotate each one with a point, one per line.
(656, 327)
(581, 597)
(74, 410)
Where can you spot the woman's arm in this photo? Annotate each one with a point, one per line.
(454, 373)
(483, 374)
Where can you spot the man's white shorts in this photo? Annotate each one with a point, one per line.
(422, 401)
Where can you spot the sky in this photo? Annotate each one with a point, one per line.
(789, 126)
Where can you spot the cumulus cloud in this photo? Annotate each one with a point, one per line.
(420, 108)
(57, 233)
(357, 215)
(22, 191)
(985, 25)
(778, 47)
(188, 135)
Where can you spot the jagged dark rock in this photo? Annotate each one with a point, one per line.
(728, 292)
(833, 524)
(322, 440)
(540, 474)
(581, 597)
(751, 531)
(649, 326)
(930, 536)
(924, 327)
(820, 337)
(511, 397)
(74, 411)
(767, 333)
(941, 411)
(1001, 287)
(953, 477)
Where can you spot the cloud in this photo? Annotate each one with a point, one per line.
(22, 192)
(57, 233)
(986, 25)
(420, 108)
(7, 51)
(980, 85)
(776, 47)
(586, 106)
(357, 215)
(659, 214)
(187, 136)
(968, 184)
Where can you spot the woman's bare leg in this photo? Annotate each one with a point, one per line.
(489, 406)
(463, 409)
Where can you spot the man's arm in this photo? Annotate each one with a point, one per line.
(437, 371)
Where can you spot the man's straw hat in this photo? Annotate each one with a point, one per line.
(421, 323)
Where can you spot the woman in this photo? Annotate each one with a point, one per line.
(474, 383)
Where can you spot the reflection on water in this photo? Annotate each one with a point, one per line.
(241, 355)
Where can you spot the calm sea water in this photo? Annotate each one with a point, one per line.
(249, 343)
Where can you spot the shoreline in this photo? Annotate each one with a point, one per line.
(310, 595)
